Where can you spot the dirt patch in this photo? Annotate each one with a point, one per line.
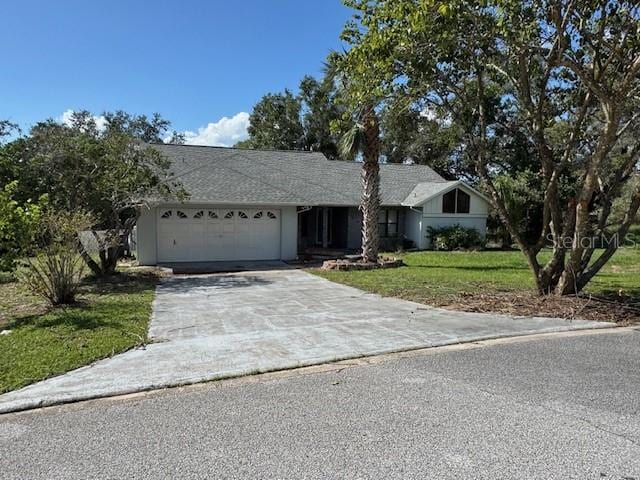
(16, 301)
(621, 310)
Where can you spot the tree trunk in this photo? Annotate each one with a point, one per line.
(91, 263)
(109, 260)
(109, 252)
(370, 207)
(572, 281)
(569, 281)
(370, 202)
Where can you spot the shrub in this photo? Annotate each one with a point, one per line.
(455, 237)
(392, 243)
(56, 271)
(633, 237)
(17, 226)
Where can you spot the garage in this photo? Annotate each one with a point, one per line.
(218, 234)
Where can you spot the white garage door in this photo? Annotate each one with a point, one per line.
(216, 234)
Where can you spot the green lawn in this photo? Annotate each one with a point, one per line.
(110, 317)
(444, 278)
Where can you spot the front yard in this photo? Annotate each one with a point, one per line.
(110, 317)
(496, 281)
(113, 316)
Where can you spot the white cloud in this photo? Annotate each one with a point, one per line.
(226, 132)
(65, 119)
(223, 133)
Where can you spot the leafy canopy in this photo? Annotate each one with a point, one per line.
(286, 121)
(539, 86)
(108, 172)
(18, 226)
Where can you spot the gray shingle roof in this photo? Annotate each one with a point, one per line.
(427, 190)
(243, 176)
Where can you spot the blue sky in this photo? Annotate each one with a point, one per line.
(195, 62)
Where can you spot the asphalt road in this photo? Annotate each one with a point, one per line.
(561, 407)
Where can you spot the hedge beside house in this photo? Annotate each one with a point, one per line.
(455, 237)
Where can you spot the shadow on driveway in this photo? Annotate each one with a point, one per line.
(210, 283)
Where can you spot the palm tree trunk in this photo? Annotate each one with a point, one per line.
(370, 202)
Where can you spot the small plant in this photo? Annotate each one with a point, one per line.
(392, 243)
(455, 237)
(17, 226)
(56, 271)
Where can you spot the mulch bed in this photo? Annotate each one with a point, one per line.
(346, 264)
(621, 310)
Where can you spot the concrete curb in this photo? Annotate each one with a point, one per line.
(23, 405)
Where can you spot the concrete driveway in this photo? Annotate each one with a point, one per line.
(210, 327)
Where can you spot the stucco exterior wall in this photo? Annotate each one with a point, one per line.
(413, 227)
(288, 233)
(146, 237)
(432, 216)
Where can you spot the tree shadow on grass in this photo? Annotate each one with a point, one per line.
(87, 313)
(622, 296)
(480, 268)
(119, 283)
(82, 315)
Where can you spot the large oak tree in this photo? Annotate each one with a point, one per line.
(287, 121)
(109, 172)
(563, 75)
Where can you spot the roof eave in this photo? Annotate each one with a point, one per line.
(454, 184)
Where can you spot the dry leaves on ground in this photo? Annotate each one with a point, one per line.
(621, 310)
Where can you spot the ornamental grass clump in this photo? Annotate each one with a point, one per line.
(57, 269)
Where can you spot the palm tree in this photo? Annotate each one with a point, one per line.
(364, 137)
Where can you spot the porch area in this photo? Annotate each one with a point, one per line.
(336, 231)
